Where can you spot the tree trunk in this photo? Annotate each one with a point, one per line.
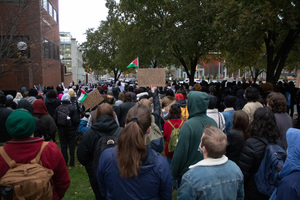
(276, 65)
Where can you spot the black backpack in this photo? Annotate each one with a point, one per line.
(105, 141)
(63, 118)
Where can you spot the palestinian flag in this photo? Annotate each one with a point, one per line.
(83, 95)
(134, 63)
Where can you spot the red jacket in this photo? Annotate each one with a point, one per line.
(23, 151)
(167, 133)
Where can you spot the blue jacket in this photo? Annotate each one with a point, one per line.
(154, 180)
(289, 185)
(212, 179)
(228, 116)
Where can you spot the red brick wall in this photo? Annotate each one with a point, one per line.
(37, 26)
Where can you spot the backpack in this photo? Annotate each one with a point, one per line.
(184, 113)
(174, 137)
(28, 181)
(63, 118)
(155, 138)
(266, 178)
(105, 141)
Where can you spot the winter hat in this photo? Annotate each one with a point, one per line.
(66, 97)
(60, 96)
(20, 124)
(179, 96)
(71, 93)
(66, 91)
(25, 105)
(9, 97)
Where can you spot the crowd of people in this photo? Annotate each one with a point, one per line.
(205, 140)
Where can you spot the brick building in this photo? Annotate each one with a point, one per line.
(35, 23)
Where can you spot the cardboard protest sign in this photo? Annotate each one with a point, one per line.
(93, 99)
(151, 76)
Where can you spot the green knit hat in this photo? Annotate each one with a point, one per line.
(20, 124)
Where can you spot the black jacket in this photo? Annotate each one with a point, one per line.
(51, 105)
(236, 142)
(250, 159)
(4, 113)
(122, 111)
(73, 114)
(104, 125)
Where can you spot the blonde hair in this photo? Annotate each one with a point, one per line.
(215, 142)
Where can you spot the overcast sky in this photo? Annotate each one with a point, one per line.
(78, 16)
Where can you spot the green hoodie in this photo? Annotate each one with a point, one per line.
(186, 153)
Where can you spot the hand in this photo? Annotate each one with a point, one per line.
(152, 89)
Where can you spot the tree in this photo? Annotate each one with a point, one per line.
(180, 31)
(253, 24)
(102, 46)
(9, 34)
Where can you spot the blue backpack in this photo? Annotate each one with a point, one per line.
(266, 178)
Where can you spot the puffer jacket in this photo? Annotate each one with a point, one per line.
(250, 159)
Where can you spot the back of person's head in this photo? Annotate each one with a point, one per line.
(25, 105)
(214, 141)
(251, 94)
(145, 102)
(127, 97)
(32, 92)
(170, 93)
(264, 124)
(51, 94)
(197, 87)
(276, 102)
(175, 112)
(105, 109)
(241, 122)
(179, 96)
(130, 89)
(213, 101)
(229, 101)
(20, 124)
(72, 93)
(66, 97)
(131, 146)
(121, 96)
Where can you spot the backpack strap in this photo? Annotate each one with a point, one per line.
(171, 124)
(38, 156)
(11, 163)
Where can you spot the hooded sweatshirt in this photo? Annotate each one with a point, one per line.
(186, 153)
(289, 186)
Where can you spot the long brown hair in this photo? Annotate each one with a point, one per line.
(105, 109)
(241, 122)
(131, 146)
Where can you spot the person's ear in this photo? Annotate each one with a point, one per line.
(148, 130)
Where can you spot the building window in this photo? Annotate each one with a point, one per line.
(50, 50)
(46, 4)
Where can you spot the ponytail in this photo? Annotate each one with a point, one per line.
(131, 146)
